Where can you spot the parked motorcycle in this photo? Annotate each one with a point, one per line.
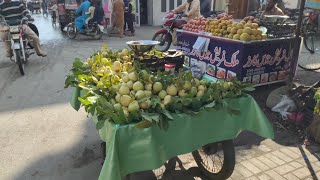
(19, 43)
(164, 35)
(94, 30)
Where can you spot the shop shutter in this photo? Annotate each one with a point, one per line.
(163, 5)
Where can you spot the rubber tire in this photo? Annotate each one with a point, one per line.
(19, 61)
(99, 33)
(308, 35)
(62, 26)
(169, 40)
(312, 51)
(75, 34)
(228, 162)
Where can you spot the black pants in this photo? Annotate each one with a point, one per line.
(129, 19)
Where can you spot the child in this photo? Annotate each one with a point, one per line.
(91, 12)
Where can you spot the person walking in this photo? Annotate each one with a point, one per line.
(130, 17)
(118, 16)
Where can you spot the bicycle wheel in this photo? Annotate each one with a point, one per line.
(216, 160)
(310, 57)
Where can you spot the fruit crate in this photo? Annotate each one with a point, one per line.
(155, 63)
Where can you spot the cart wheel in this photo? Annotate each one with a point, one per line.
(216, 160)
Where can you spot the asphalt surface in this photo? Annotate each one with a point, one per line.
(41, 136)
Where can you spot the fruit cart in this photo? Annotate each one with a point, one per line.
(153, 117)
(256, 62)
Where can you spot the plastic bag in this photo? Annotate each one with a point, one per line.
(284, 107)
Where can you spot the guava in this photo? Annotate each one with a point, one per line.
(118, 96)
(133, 76)
(162, 94)
(125, 79)
(125, 52)
(117, 106)
(116, 66)
(203, 82)
(145, 75)
(113, 102)
(151, 79)
(130, 84)
(126, 113)
(148, 93)
(227, 85)
(202, 88)
(157, 87)
(193, 91)
(132, 93)
(197, 82)
(138, 86)
(145, 104)
(172, 90)
(133, 106)
(200, 93)
(125, 100)
(140, 94)
(167, 100)
(124, 90)
(148, 87)
(126, 58)
(162, 106)
(182, 93)
(187, 86)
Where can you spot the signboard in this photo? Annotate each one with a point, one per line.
(262, 62)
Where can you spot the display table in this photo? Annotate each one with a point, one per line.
(130, 149)
(256, 62)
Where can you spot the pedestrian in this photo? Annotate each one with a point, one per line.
(130, 17)
(118, 16)
(98, 13)
(126, 8)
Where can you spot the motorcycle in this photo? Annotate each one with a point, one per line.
(164, 35)
(20, 45)
(94, 30)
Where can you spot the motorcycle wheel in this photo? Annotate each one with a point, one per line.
(71, 31)
(62, 26)
(19, 61)
(99, 34)
(205, 159)
(165, 40)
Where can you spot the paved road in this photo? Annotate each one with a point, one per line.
(42, 137)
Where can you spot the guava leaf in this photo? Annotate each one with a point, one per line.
(85, 102)
(211, 105)
(150, 116)
(249, 89)
(77, 63)
(122, 117)
(167, 114)
(143, 124)
(100, 124)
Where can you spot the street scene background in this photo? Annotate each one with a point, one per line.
(43, 137)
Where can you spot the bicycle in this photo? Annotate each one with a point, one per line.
(310, 59)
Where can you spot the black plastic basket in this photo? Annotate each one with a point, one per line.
(157, 64)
